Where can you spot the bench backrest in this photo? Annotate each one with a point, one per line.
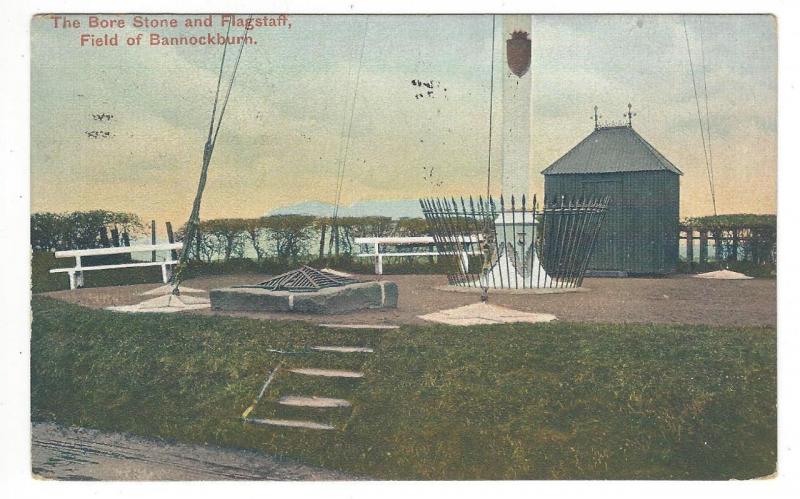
(413, 240)
(395, 240)
(117, 250)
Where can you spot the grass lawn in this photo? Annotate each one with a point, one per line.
(559, 400)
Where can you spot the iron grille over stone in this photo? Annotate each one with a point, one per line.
(304, 279)
(521, 244)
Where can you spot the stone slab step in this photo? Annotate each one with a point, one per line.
(291, 423)
(360, 326)
(302, 401)
(343, 349)
(484, 313)
(331, 373)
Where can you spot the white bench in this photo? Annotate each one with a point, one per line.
(378, 242)
(76, 273)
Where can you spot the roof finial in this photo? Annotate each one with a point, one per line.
(630, 115)
(596, 117)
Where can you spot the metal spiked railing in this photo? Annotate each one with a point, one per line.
(519, 245)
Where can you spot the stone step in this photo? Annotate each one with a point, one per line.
(343, 349)
(331, 373)
(291, 423)
(360, 326)
(302, 401)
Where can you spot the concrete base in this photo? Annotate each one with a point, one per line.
(511, 291)
(605, 273)
(165, 304)
(337, 300)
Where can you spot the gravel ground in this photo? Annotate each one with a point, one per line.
(70, 453)
(678, 299)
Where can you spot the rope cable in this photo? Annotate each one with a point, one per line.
(491, 108)
(699, 116)
(230, 84)
(219, 84)
(342, 132)
(708, 120)
(350, 125)
(487, 249)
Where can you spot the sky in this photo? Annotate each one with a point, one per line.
(284, 130)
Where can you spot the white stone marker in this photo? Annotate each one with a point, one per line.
(322, 402)
(343, 349)
(329, 373)
(309, 425)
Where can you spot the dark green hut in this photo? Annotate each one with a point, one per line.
(640, 232)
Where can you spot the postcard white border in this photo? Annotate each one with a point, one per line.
(14, 255)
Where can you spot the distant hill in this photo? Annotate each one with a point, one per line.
(403, 208)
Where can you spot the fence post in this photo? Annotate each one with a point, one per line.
(322, 241)
(104, 242)
(378, 259)
(153, 239)
(703, 246)
(346, 243)
(690, 246)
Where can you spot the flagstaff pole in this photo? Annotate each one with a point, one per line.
(194, 218)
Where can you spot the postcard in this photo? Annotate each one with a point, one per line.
(281, 246)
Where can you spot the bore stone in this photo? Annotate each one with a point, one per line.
(247, 299)
(332, 300)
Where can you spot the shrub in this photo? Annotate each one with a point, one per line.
(80, 229)
(290, 234)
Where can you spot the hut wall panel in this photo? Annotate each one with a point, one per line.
(640, 234)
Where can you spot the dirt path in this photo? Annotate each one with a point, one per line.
(679, 299)
(62, 453)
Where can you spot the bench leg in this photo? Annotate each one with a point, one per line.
(379, 264)
(78, 272)
(71, 280)
(164, 273)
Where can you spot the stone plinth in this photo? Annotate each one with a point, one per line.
(333, 300)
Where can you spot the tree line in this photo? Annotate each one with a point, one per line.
(288, 237)
(292, 237)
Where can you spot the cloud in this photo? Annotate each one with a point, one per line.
(282, 136)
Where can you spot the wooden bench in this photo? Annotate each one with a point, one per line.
(76, 273)
(378, 242)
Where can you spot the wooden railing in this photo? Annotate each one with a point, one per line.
(752, 244)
